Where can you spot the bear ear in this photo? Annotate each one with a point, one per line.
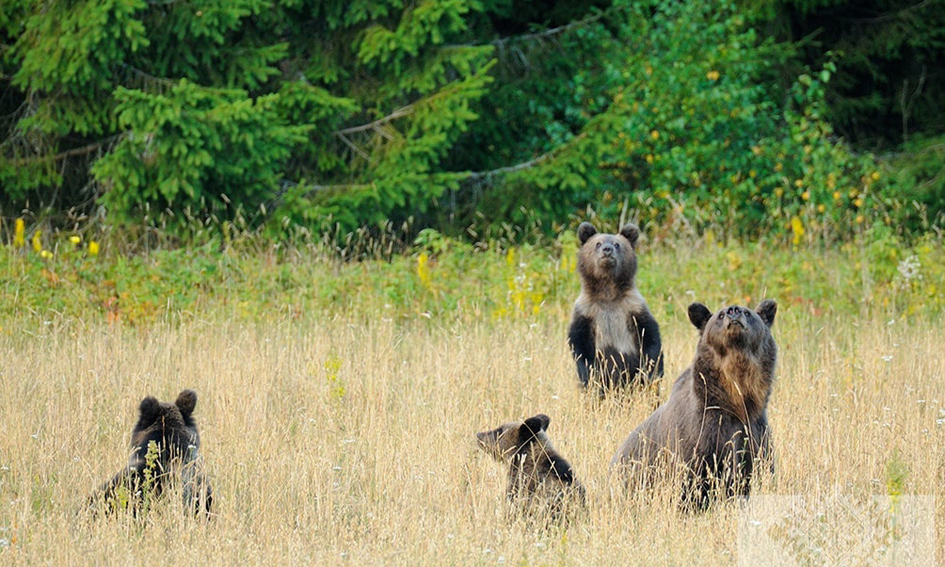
(585, 231)
(149, 409)
(533, 426)
(699, 314)
(186, 402)
(631, 232)
(767, 309)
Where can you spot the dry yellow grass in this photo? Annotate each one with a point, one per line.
(332, 443)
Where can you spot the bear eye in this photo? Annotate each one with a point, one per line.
(616, 246)
(721, 315)
(598, 245)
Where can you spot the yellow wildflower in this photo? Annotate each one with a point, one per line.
(423, 270)
(797, 227)
(712, 75)
(805, 195)
(75, 239)
(655, 134)
(45, 254)
(821, 208)
(19, 233)
(38, 241)
(93, 248)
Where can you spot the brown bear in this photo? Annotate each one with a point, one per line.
(613, 336)
(541, 481)
(713, 430)
(165, 447)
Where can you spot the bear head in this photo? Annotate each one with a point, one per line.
(171, 426)
(735, 327)
(607, 261)
(514, 438)
(737, 353)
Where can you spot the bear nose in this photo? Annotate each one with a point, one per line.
(607, 249)
(733, 312)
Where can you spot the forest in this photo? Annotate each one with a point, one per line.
(792, 120)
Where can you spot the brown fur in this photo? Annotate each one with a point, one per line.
(541, 481)
(613, 336)
(172, 429)
(713, 429)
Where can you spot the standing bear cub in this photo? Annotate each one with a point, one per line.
(613, 336)
(713, 430)
(165, 447)
(540, 479)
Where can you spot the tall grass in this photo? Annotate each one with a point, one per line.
(334, 441)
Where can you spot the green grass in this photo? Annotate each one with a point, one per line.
(455, 282)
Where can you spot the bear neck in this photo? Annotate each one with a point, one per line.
(607, 289)
(530, 460)
(736, 382)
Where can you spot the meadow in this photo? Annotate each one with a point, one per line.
(338, 402)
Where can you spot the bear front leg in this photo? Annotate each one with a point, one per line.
(581, 341)
(651, 347)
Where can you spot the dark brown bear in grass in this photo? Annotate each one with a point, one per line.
(613, 336)
(165, 447)
(541, 481)
(712, 433)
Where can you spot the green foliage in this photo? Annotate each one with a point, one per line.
(481, 118)
(689, 140)
(151, 471)
(916, 193)
(886, 87)
(194, 148)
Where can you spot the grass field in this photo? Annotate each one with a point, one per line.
(335, 440)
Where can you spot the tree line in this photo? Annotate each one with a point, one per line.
(811, 119)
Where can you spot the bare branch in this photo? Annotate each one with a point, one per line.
(80, 151)
(399, 113)
(503, 41)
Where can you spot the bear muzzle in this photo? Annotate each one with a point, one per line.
(735, 315)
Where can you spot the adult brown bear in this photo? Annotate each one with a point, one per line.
(165, 446)
(613, 336)
(713, 430)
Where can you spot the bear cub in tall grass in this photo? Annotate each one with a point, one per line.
(541, 481)
(165, 445)
(613, 336)
(712, 433)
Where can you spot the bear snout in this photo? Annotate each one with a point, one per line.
(735, 315)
